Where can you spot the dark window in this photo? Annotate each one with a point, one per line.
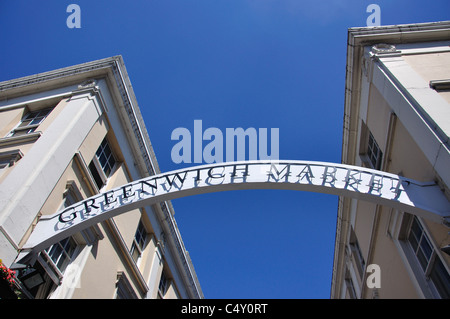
(441, 279)
(98, 180)
(102, 164)
(374, 152)
(61, 253)
(163, 284)
(420, 243)
(105, 157)
(140, 239)
(430, 262)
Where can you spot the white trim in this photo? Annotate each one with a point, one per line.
(20, 139)
(123, 279)
(23, 187)
(424, 47)
(420, 109)
(31, 100)
(155, 273)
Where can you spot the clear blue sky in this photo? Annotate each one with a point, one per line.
(231, 63)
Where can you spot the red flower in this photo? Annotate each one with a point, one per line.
(7, 274)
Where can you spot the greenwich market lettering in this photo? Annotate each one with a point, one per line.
(238, 174)
(337, 179)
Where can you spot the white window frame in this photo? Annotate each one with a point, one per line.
(30, 128)
(350, 285)
(398, 228)
(136, 246)
(434, 256)
(370, 150)
(101, 151)
(64, 246)
(99, 169)
(374, 151)
(356, 253)
(8, 159)
(124, 289)
(163, 286)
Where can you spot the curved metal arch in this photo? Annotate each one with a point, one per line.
(422, 199)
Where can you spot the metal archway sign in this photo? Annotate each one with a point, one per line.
(422, 199)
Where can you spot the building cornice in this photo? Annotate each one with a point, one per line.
(405, 33)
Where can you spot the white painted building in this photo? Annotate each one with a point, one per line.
(397, 119)
(66, 135)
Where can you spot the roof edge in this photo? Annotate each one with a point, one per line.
(402, 33)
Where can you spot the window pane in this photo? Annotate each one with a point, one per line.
(24, 123)
(99, 151)
(163, 284)
(111, 162)
(102, 159)
(107, 151)
(420, 243)
(441, 279)
(36, 120)
(374, 152)
(413, 241)
(105, 157)
(55, 252)
(422, 259)
(44, 113)
(425, 246)
(135, 252)
(62, 263)
(107, 170)
(371, 140)
(68, 245)
(140, 235)
(416, 228)
(95, 175)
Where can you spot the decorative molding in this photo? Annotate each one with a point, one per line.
(383, 48)
(440, 85)
(91, 83)
(20, 139)
(13, 156)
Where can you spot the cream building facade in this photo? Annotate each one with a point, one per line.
(397, 119)
(66, 135)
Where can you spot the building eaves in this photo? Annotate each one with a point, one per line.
(405, 33)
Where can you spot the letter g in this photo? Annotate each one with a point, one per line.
(67, 218)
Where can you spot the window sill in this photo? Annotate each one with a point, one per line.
(11, 140)
(365, 162)
(440, 85)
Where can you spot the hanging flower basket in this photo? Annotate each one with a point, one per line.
(6, 282)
